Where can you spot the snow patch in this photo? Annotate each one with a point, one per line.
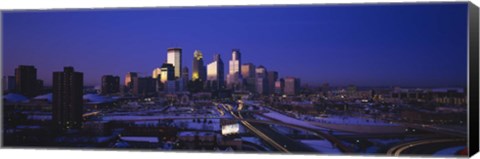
(15, 98)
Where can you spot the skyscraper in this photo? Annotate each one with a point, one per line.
(215, 73)
(235, 62)
(261, 80)
(248, 74)
(67, 99)
(144, 86)
(156, 73)
(198, 68)
(167, 73)
(279, 86)
(234, 72)
(26, 80)
(272, 78)
(129, 78)
(174, 57)
(182, 82)
(248, 70)
(185, 73)
(110, 84)
(292, 86)
(261, 72)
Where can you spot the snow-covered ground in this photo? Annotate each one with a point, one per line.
(15, 98)
(140, 139)
(154, 117)
(322, 146)
(47, 97)
(350, 120)
(347, 124)
(449, 151)
(97, 99)
(189, 124)
(290, 120)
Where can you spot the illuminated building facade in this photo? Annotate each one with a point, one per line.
(198, 67)
(174, 57)
(234, 72)
(215, 73)
(167, 73)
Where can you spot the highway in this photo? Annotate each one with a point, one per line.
(420, 147)
(276, 139)
(288, 143)
(259, 133)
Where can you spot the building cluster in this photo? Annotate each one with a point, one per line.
(24, 82)
(172, 77)
(67, 93)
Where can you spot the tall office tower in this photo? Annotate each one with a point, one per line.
(248, 74)
(144, 86)
(262, 86)
(272, 78)
(279, 86)
(215, 73)
(8, 83)
(26, 80)
(261, 80)
(182, 82)
(198, 68)
(261, 72)
(248, 70)
(234, 76)
(157, 76)
(156, 73)
(185, 73)
(174, 57)
(67, 99)
(292, 86)
(110, 84)
(167, 73)
(129, 78)
(235, 62)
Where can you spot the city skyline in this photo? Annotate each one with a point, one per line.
(333, 79)
(393, 61)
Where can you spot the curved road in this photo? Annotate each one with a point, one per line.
(421, 147)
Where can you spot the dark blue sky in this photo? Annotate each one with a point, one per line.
(366, 45)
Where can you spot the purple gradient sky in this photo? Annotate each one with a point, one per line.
(366, 45)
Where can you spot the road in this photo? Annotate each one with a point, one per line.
(259, 133)
(279, 141)
(316, 132)
(423, 147)
(288, 143)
